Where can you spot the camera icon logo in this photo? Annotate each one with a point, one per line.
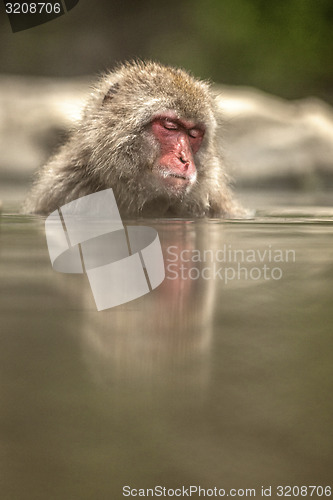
(122, 262)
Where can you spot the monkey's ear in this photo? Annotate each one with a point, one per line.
(110, 93)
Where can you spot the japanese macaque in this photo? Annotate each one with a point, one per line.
(149, 132)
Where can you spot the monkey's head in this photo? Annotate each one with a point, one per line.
(153, 131)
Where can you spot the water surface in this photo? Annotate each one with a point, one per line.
(206, 381)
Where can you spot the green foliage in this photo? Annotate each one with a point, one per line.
(283, 46)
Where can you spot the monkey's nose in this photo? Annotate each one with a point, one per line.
(183, 159)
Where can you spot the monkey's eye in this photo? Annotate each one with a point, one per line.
(195, 132)
(170, 125)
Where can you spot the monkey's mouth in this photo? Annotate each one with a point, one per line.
(175, 179)
(177, 176)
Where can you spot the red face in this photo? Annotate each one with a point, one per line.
(179, 141)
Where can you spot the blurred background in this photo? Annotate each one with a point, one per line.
(280, 48)
(284, 47)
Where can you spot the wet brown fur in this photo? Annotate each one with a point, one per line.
(113, 147)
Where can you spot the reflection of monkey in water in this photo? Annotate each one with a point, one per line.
(149, 132)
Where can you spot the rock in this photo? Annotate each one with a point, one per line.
(34, 114)
(273, 142)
